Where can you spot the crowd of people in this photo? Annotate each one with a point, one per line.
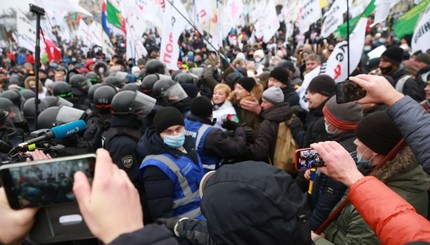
(192, 153)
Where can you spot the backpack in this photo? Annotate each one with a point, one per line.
(283, 157)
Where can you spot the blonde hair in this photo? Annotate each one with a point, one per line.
(223, 86)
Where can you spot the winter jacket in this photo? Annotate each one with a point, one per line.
(158, 187)
(411, 87)
(402, 175)
(291, 96)
(394, 220)
(327, 192)
(221, 114)
(417, 133)
(150, 235)
(264, 145)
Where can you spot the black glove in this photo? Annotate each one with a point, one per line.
(294, 122)
(170, 223)
(230, 125)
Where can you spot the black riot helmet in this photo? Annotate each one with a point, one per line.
(131, 87)
(92, 77)
(29, 109)
(92, 90)
(168, 91)
(14, 96)
(114, 81)
(62, 89)
(14, 111)
(186, 78)
(80, 82)
(27, 93)
(148, 83)
(132, 102)
(58, 115)
(154, 66)
(103, 95)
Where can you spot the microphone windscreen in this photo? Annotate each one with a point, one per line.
(68, 129)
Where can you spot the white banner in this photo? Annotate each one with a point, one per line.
(310, 12)
(203, 13)
(421, 37)
(215, 29)
(271, 23)
(234, 8)
(62, 7)
(382, 9)
(26, 32)
(305, 84)
(333, 18)
(174, 25)
(337, 64)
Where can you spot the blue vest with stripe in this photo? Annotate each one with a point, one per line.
(185, 176)
(199, 131)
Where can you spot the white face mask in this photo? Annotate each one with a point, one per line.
(258, 60)
(328, 130)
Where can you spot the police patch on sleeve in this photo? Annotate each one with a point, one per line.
(127, 161)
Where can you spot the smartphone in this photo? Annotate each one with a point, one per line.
(348, 91)
(45, 182)
(307, 158)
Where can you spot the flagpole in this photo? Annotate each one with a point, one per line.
(347, 36)
(207, 41)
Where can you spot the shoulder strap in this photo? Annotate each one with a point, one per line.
(401, 83)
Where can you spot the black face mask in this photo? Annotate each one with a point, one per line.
(386, 70)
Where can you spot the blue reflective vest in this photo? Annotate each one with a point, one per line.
(199, 131)
(185, 176)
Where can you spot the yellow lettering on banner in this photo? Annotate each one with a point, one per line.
(323, 3)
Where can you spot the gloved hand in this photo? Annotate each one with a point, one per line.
(294, 122)
(171, 223)
(230, 125)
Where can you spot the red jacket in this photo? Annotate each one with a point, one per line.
(393, 219)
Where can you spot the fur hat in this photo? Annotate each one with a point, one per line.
(378, 132)
(247, 83)
(201, 107)
(167, 117)
(393, 54)
(322, 84)
(281, 74)
(343, 116)
(273, 95)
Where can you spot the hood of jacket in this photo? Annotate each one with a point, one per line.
(405, 172)
(260, 206)
(399, 73)
(278, 113)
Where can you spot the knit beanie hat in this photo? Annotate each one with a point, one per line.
(280, 74)
(167, 117)
(274, 95)
(322, 84)
(423, 57)
(343, 116)
(201, 107)
(378, 132)
(247, 83)
(393, 54)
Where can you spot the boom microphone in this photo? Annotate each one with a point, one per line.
(58, 132)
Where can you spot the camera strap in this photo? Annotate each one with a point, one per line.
(336, 212)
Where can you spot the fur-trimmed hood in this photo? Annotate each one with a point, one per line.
(404, 170)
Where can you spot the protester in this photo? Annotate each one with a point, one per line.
(222, 107)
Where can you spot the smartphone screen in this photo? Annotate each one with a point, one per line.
(307, 158)
(348, 91)
(44, 183)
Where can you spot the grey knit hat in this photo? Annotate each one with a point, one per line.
(273, 95)
(343, 116)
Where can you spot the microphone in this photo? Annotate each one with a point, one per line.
(58, 132)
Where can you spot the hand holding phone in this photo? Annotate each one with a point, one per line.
(45, 182)
(348, 91)
(307, 158)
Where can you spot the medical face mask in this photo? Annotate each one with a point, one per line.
(174, 141)
(328, 130)
(364, 163)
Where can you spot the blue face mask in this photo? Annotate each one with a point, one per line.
(174, 141)
(364, 163)
(328, 130)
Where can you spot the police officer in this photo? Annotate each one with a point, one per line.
(170, 93)
(171, 170)
(80, 86)
(129, 109)
(212, 144)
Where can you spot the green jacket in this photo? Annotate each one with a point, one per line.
(405, 177)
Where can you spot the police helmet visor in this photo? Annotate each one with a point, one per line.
(175, 93)
(63, 102)
(68, 114)
(144, 103)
